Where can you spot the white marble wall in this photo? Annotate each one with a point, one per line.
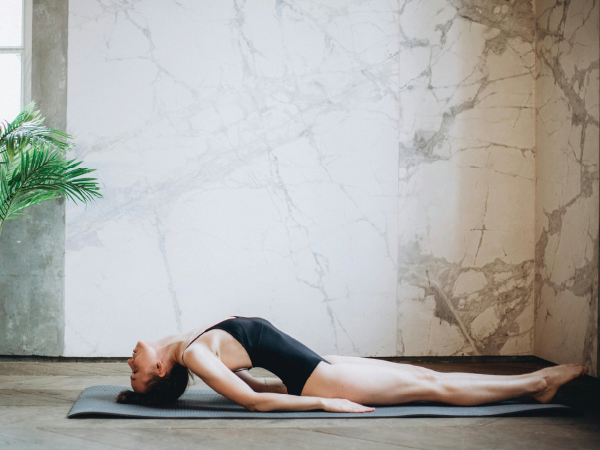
(567, 89)
(248, 153)
(362, 173)
(467, 178)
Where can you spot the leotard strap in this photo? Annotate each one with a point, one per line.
(208, 329)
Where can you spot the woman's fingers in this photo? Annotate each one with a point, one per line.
(343, 405)
(356, 407)
(364, 409)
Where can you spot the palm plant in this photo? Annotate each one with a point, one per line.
(33, 168)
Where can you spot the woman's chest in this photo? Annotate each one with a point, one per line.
(227, 349)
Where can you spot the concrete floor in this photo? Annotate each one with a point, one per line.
(35, 398)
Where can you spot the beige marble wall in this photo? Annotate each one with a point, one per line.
(467, 178)
(566, 319)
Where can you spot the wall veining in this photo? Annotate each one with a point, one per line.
(467, 178)
(567, 137)
(248, 154)
(377, 178)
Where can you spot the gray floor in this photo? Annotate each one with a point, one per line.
(35, 398)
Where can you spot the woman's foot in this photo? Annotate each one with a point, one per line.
(555, 377)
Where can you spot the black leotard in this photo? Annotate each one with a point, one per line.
(272, 349)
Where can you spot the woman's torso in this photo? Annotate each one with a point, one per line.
(254, 341)
(222, 344)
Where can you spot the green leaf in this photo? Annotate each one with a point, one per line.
(26, 131)
(41, 174)
(33, 168)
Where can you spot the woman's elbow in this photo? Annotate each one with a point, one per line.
(260, 405)
(252, 404)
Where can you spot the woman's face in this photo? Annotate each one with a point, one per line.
(143, 365)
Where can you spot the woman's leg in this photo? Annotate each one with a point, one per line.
(553, 377)
(336, 359)
(384, 384)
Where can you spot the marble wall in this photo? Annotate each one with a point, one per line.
(467, 178)
(567, 90)
(248, 154)
(375, 177)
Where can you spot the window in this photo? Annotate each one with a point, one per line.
(15, 57)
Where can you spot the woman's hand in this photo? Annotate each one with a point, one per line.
(343, 405)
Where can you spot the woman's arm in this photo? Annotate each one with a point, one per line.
(274, 385)
(215, 374)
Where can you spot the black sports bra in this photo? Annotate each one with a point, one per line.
(271, 349)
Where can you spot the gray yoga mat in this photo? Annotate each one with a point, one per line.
(207, 404)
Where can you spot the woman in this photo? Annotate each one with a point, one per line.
(220, 354)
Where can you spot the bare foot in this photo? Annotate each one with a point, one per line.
(557, 376)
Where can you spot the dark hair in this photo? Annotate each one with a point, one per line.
(160, 390)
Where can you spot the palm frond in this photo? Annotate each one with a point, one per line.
(41, 174)
(28, 130)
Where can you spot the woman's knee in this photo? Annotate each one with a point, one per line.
(432, 386)
(428, 374)
(417, 386)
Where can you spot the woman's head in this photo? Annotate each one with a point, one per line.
(154, 380)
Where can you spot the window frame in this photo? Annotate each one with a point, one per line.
(25, 51)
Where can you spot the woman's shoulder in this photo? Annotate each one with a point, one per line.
(193, 335)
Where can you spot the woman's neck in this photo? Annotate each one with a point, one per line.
(168, 349)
